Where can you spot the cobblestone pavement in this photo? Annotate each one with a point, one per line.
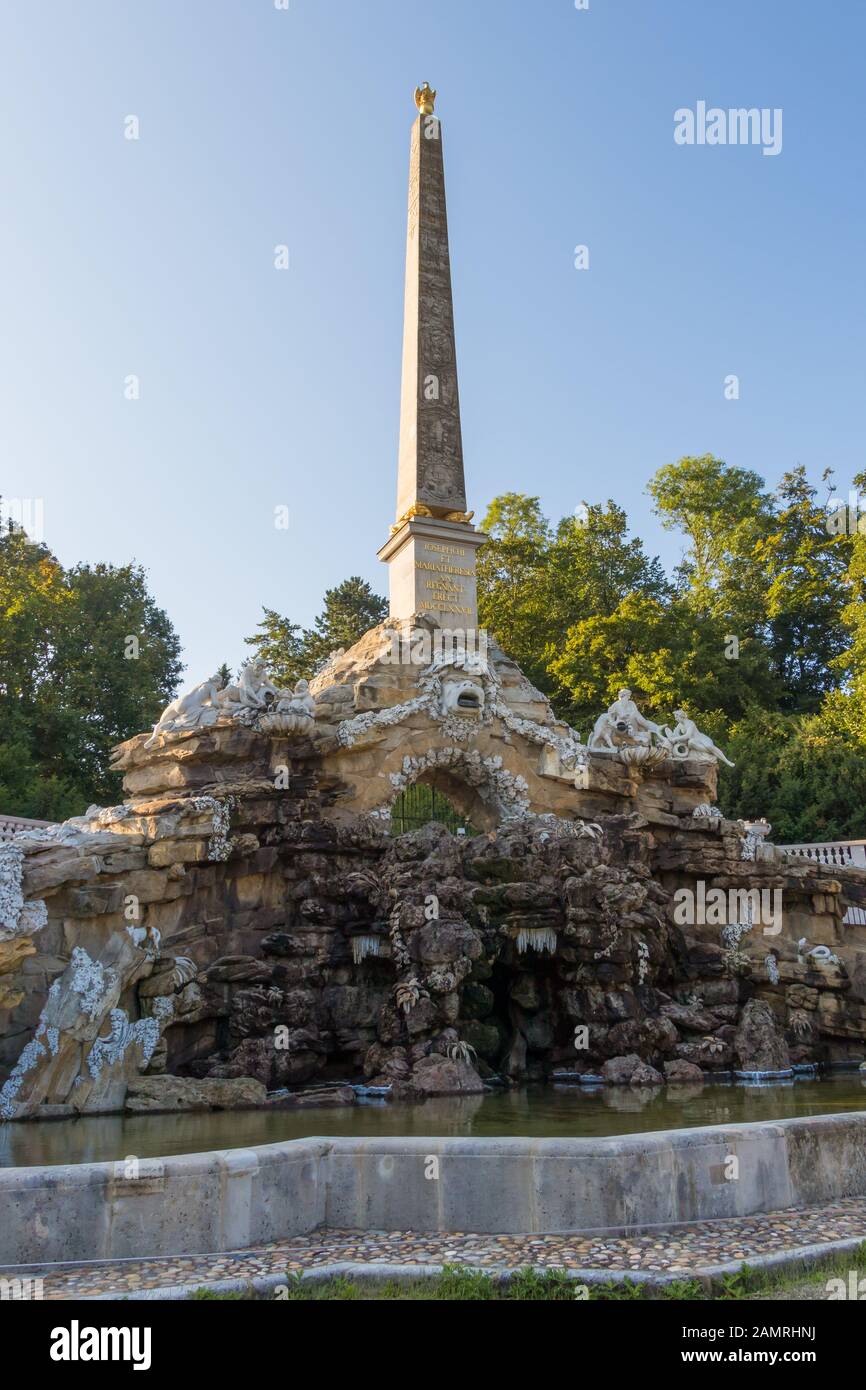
(682, 1252)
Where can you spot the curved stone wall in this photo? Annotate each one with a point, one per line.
(226, 1200)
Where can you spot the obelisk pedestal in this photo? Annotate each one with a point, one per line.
(432, 571)
(431, 551)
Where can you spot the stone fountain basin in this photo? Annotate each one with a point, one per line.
(229, 1199)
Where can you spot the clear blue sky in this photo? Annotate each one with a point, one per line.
(259, 388)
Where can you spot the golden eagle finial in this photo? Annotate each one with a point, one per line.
(425, 99)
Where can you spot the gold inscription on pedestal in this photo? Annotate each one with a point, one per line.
(448, 586)
(445, 608)
(443, 569)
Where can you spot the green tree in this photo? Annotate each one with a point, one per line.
(351, 609)
(808, 780)
(605, 651)
(88, 659)
(289, 652)
(26, 788)
(666, 655)
(278, 641)
(550, 597)
(723, 512)
(33, 595)
(595, 564)
(117, 662)
(514, 599)
(805, 593)
(844, 709)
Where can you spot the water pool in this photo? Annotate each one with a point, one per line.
(538, 1112)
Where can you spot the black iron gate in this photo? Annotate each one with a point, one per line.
(419, 804)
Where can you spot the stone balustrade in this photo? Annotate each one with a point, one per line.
(837, 853)
(843, 854)
(13, 825)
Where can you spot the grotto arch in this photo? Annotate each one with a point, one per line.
(442, 799)
(482, 792)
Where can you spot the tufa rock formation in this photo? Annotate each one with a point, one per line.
(246, 913)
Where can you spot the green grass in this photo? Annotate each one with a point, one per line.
(206, 1295)
(459, 1284)
(456, 1284)
(753, 1283)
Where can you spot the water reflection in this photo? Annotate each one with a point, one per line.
(533, 1112)
(628, 1100)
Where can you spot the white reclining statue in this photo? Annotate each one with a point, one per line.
(691, 741)
(189, 711)
(822, 954)
(211, 700)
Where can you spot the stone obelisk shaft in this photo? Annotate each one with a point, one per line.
(431, 443)
(431, 552)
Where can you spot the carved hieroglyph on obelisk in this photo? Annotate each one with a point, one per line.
(431, 551)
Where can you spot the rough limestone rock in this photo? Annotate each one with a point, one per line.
(154, 1093)
(316, 1099)
(437, 943)
(438, 1076)
(758, 1045)
(630, 1071)
(682, 1071)
(691, 1019)
(228, 922)
(645, 1075)
(12, 955)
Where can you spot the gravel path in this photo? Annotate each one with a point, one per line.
(682, 1252)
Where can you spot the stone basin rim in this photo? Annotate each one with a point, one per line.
(233, 1199)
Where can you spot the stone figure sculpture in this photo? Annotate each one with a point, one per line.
(755, 832)
(687, 741)
(252, 690)
(256, 686)
(821, 954)
(625, 720)
(293, 712)
(198, 706)
(462, 697)
(623, 730)
(211, 700)
(300, 701)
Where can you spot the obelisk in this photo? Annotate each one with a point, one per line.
(431, 550)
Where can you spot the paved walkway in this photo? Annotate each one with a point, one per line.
(681, 1252)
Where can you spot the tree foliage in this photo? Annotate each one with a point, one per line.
(279, 642)
(291, 652)
(87, 659)
(350, 610)
(804, 567)
(760, 632)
